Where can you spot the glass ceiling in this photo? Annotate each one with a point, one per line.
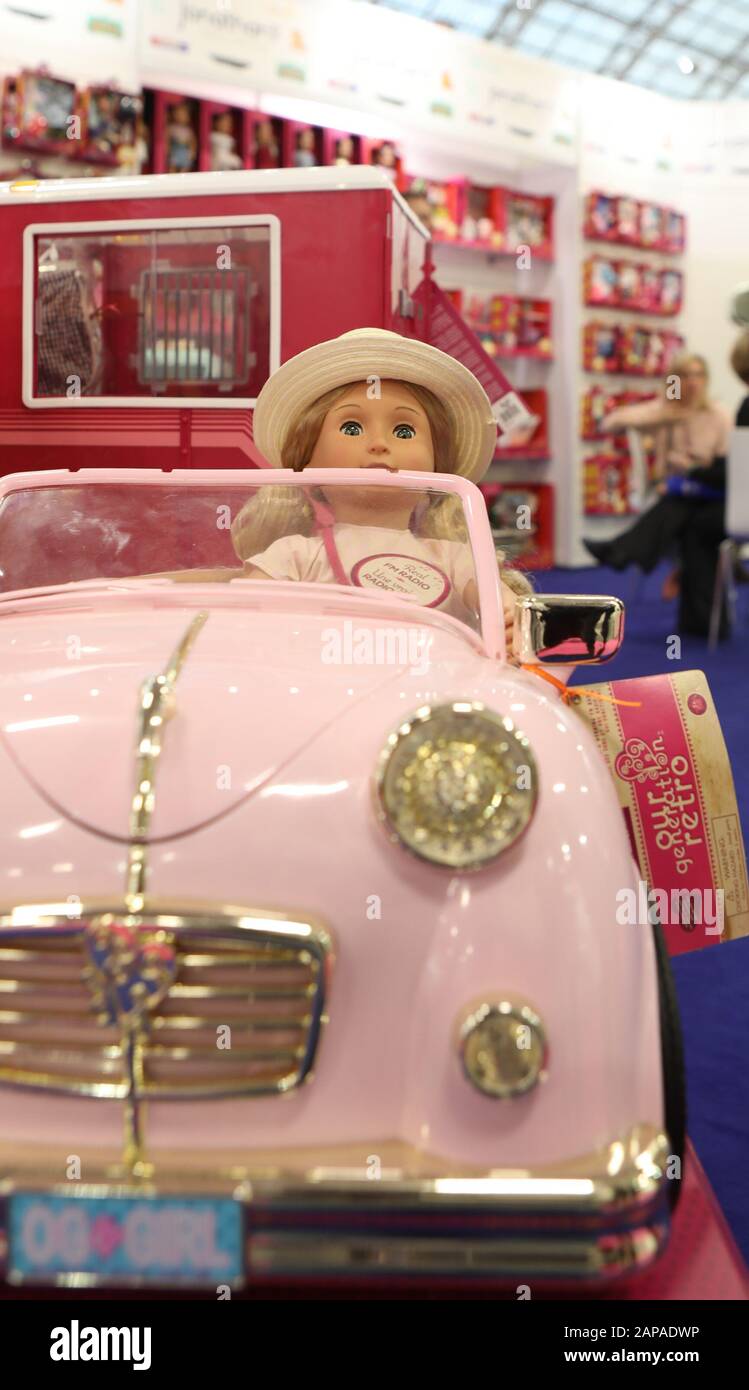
(681, 48)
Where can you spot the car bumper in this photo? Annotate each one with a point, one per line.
(341, 1212)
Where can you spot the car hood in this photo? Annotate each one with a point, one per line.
(256, 687)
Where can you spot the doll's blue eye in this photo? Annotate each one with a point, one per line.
(351, 427)
(404, 432)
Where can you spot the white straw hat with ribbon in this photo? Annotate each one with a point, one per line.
(367, 352)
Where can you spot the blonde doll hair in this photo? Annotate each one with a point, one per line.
(274, 512)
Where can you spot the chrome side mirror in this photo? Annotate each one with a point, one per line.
(567, 629)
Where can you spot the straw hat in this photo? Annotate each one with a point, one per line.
(366, 352)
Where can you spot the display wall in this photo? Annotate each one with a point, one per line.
(455, 106)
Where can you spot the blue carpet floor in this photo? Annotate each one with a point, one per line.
(712, 984)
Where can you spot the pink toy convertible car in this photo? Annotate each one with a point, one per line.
(313, 891)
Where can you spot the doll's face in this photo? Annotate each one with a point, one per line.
(180, 114)
(391, 431)
(306, 140)
(224, 123)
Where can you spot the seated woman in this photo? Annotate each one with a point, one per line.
(690, 432)
(704, 529)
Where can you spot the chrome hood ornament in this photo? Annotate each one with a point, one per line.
(131, 978)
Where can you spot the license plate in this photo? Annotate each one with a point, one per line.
(154, 1240)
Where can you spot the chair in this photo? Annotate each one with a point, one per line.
(737, 527)
(638, 497)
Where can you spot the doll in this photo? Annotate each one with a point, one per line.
(105, 131)
(417, 197)
(266, 146)
(127, 151)
(344, 150)
(304, 152)
(223, 145)
(317, 410)
(385, 157)
(182, 145)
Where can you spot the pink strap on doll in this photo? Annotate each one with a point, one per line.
(324, 522)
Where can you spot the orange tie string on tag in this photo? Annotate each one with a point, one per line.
(570, 693)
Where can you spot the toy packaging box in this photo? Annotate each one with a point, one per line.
(601, 281)
(662, 741)
(629, 285)
(509, 326)
(438, 203)
(600, 221)
(384, 154)
(627, 220)
(650, 289)
(601, 347)
(524, 220)
(671, 291)
(651, 225)
(606, 483)
(37, 110)
(340, 147)
(479, 216)
(522, 521)
(630, 222)
(675, 232)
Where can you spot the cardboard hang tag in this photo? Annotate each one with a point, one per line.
(666, 753)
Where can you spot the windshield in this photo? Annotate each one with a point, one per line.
(401, 541)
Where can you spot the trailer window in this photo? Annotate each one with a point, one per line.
(157, 313)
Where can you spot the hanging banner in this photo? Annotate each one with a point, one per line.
(377, 62)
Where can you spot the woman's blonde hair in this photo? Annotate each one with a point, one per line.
(680, 366)
(274, 512)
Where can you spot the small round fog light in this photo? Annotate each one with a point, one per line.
(503, 1048)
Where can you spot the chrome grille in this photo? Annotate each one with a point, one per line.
(261, 976)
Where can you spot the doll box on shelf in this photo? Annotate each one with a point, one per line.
(629, 285)
(168, 302)
(522, 521)
(438, 202)
(38, 109)
(607, 478)
(509, 326)
(632, 222)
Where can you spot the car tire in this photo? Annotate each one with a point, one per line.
(672, 1060)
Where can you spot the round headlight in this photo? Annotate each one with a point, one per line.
(456, 784)
(503, 1048)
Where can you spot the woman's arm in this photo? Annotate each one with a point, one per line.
(643, 415)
